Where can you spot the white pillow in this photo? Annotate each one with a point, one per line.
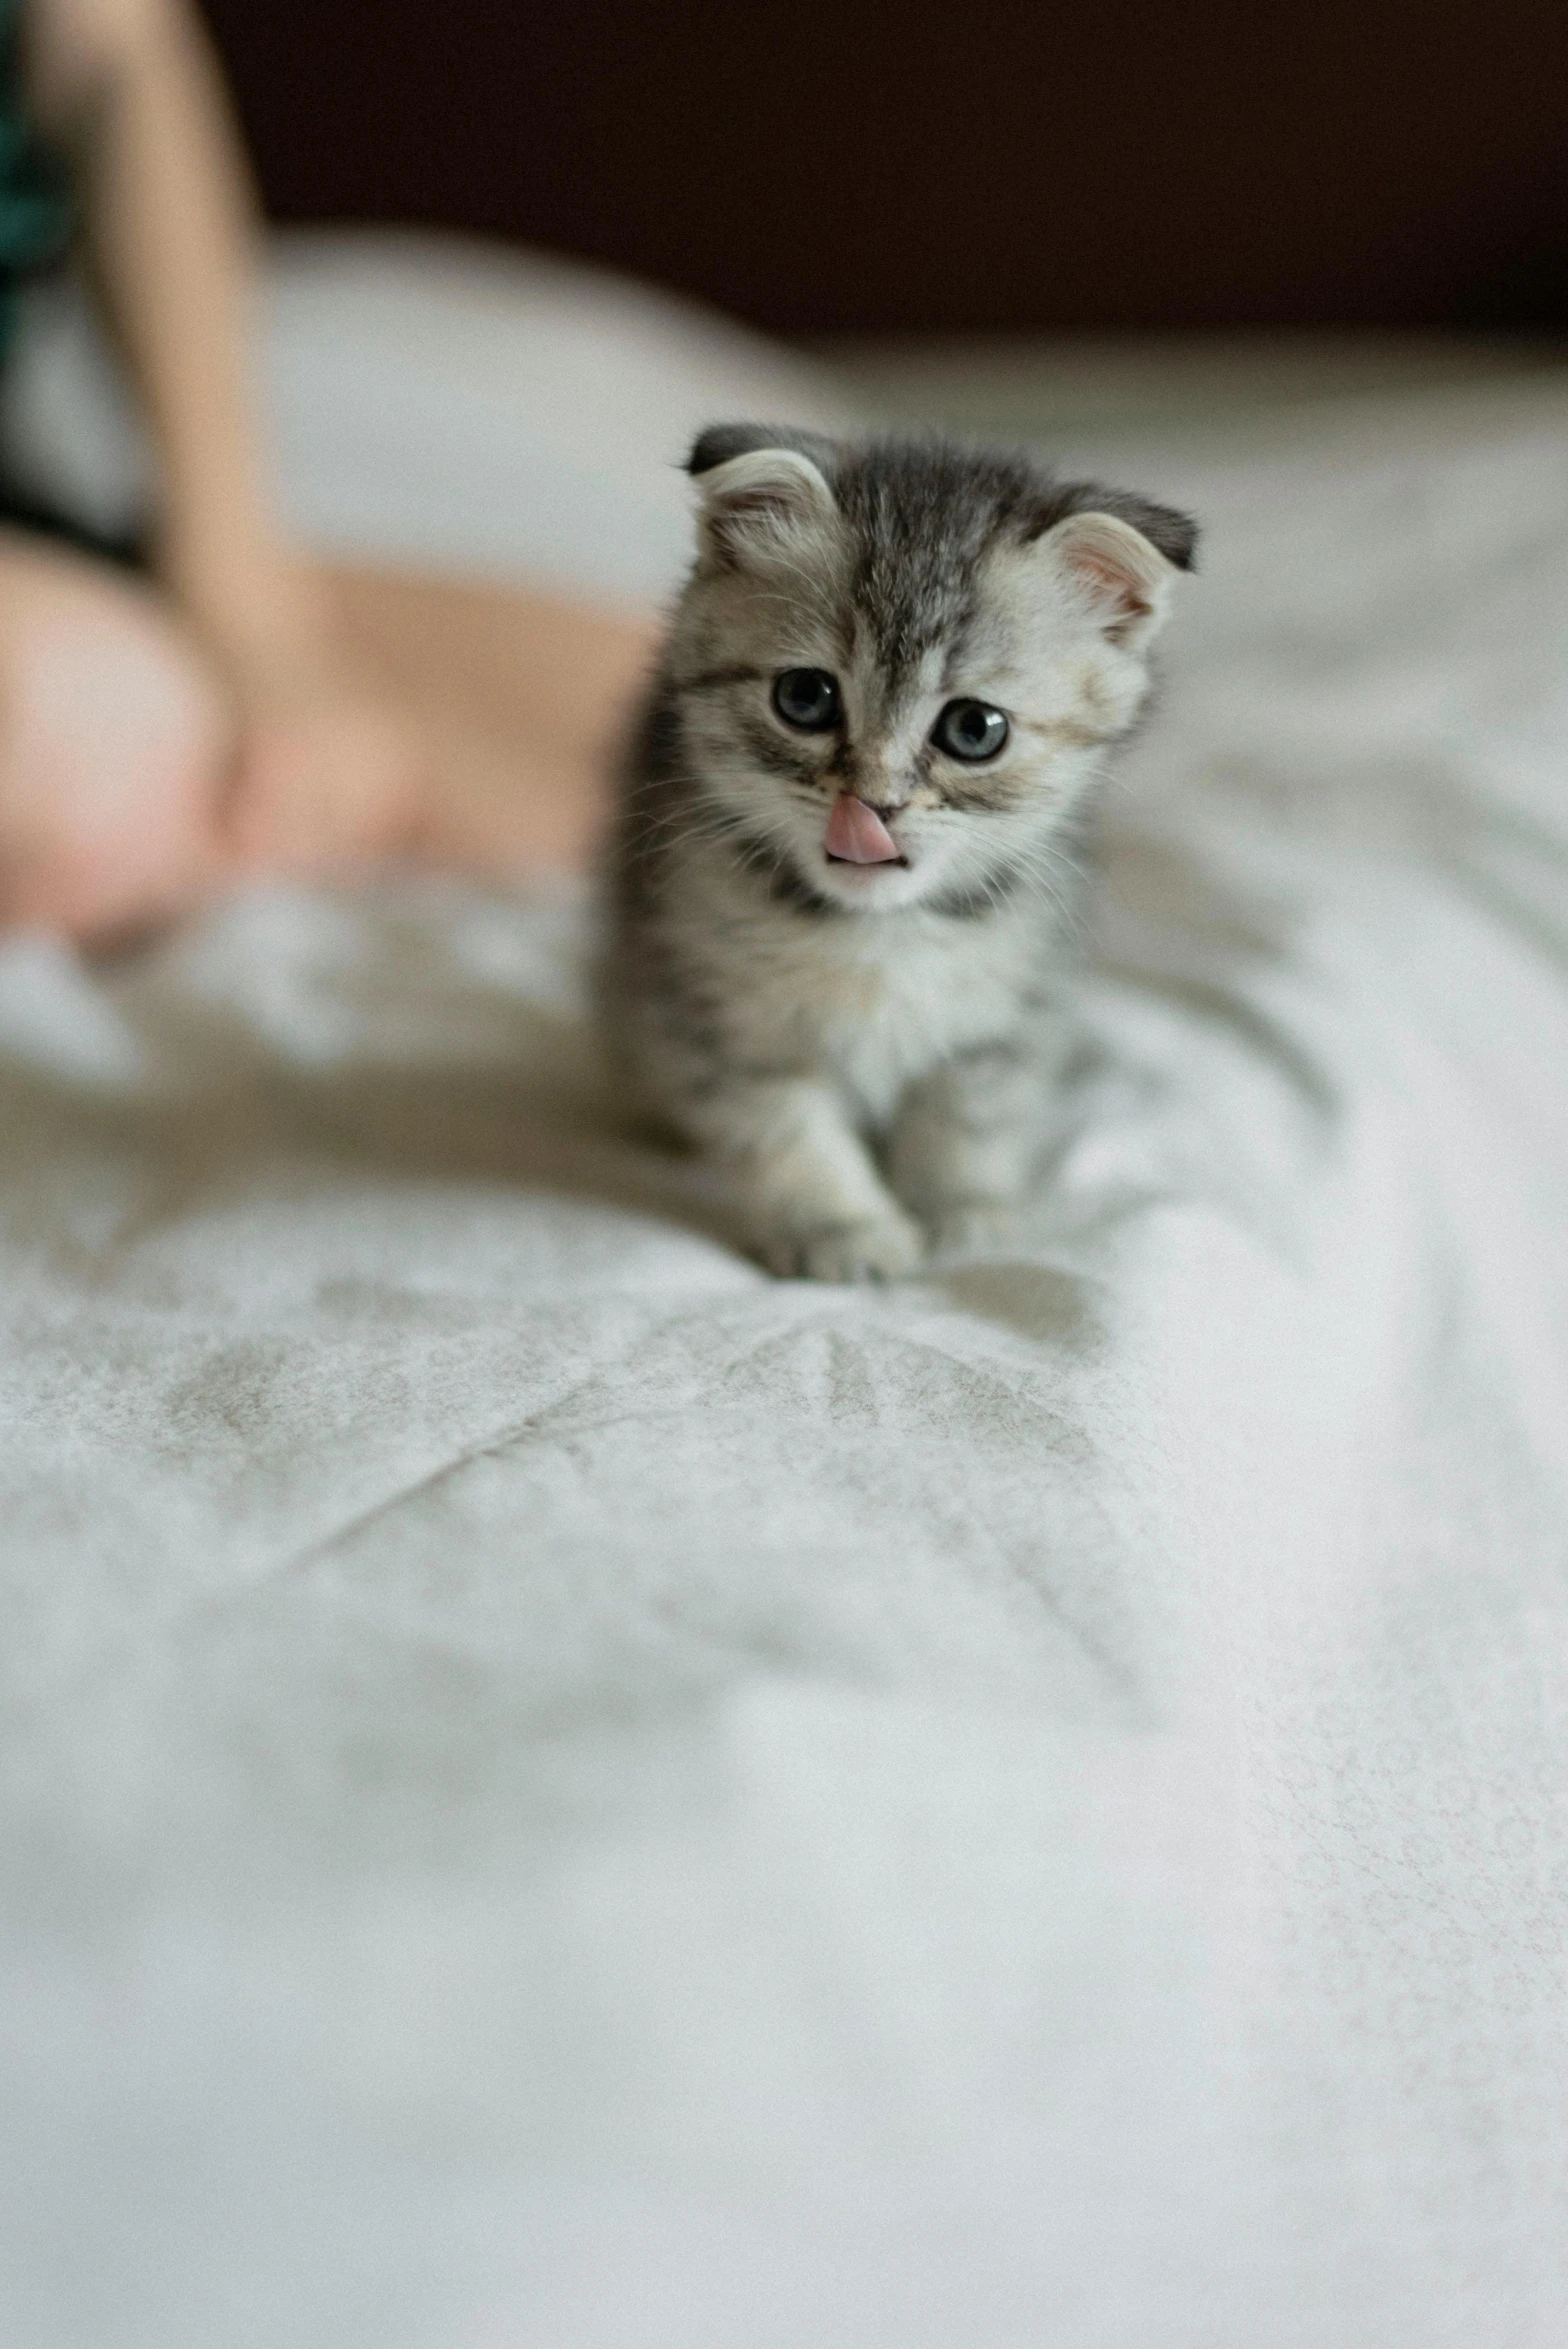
(440, 403)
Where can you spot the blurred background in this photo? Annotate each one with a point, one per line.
(935, 168)
(525, 253)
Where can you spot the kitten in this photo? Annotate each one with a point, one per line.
(844, 842)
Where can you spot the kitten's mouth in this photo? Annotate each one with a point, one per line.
(856, 835)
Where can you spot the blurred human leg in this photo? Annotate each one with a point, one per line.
(120, 799)
(519, 697)
(113, 741)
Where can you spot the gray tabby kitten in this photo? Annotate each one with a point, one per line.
(837, 942)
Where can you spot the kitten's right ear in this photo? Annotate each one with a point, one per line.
(760, 496)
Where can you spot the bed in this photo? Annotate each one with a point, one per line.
(559, 1791)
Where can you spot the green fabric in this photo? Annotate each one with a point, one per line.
(35, 201)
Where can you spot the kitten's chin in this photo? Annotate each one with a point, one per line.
(878, 888)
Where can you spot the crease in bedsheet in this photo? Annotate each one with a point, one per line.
(769, 1372)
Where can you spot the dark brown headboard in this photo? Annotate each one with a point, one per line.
(939, 166)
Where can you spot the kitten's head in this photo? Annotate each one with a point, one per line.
(898, 660)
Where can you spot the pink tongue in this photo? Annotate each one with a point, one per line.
(858, 834)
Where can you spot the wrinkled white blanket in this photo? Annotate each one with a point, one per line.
(559, 1792)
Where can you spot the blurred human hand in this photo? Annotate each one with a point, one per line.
(325, 773)
(326, 777)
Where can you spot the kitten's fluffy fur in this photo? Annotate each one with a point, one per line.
(865, 1048)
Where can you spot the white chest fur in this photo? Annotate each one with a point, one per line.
(874, 1002)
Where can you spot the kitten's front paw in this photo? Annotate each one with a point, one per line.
(882, 1248)
(979, 1227)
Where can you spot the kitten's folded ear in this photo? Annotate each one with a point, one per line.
(1124, 563)
(719, 442)
(762, 491)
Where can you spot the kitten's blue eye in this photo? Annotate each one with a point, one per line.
(971, 730)
(807, 699)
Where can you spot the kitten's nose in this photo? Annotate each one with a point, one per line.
(857, 834)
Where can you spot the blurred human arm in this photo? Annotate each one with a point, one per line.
(130, 92)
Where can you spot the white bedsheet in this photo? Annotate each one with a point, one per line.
(560, 1792)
